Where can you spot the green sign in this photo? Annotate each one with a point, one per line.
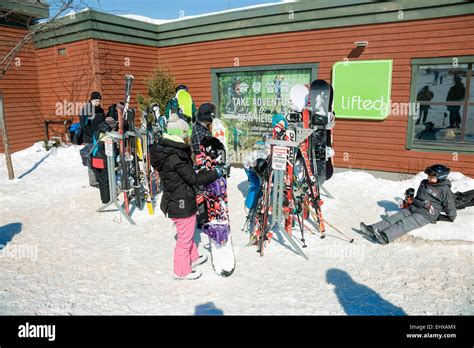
(362, 89)
(247, 101)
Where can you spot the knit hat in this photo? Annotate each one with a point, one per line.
(177, 126)
(206, 112)
(96, 96)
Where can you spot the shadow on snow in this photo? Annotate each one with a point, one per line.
(7, 232)
(358, 299)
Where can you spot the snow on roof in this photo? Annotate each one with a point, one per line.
(163, 21)
(146, 19)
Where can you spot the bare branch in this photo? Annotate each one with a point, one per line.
(10, 56)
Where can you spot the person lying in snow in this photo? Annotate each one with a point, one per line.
(433, 197)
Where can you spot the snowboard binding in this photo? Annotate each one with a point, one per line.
(218, 233)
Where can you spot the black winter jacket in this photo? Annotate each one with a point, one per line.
(86, 118)
(173, 161)
(432, 199)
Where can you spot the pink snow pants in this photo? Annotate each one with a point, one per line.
(185, 251)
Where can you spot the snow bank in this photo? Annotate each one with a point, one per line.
(358, 196)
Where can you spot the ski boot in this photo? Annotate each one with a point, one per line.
(368, 230)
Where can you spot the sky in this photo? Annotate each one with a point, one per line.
(163, 9)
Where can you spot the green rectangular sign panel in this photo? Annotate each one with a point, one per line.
(362, 89)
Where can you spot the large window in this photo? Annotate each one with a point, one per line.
(443, 89)
(247, 97)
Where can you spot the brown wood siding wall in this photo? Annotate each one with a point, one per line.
(20, 92)
(358, 144)
(92, 64)
(68, 79)
(117, 60)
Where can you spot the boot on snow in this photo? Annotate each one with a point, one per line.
(368, 230)
(199, 261)
(374, 233)
(380, 236)
(195, 274)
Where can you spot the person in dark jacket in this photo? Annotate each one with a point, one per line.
(171, 156)
(433, 197)
(101, 124)
(455, 94)
(425, 95)
(202, 126)
(86, 117)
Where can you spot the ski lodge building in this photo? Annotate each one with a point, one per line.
(429, 44)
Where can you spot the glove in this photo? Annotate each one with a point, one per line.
(443, 217)
(111, 122)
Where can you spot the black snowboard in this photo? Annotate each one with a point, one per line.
(321, 102)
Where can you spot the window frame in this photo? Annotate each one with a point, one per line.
(464, 147)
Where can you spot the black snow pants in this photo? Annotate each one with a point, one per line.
(102, 177)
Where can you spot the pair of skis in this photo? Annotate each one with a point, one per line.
(124, 149)
(133, 156)
(312, 110)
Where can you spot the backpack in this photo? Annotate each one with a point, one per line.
(173, 107)
(75, 133)
(464, 199)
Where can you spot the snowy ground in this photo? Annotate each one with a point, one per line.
(64, 258)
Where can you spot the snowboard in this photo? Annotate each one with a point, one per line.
(185, 102)
(217, 227)
(219, 130)
(322, 118)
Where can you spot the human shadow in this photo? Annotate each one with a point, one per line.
(388, 205)
(36, 165)
(358, 299)
(244, 187)
(7, 232)
(208, 308)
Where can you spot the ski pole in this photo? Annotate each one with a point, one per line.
(337, 230)
(300, 222)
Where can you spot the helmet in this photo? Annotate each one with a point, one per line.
(261, 166)
(180, 87)
(410, 192)
(440, 171)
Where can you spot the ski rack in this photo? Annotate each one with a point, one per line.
(279, 184)
(113, 194)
